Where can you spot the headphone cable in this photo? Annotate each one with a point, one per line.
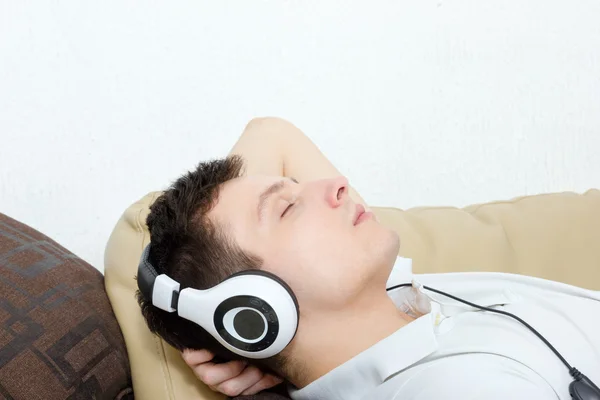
(574, 372)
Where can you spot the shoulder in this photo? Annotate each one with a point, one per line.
(467, 377)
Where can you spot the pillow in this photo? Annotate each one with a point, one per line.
(59, 338)
(552, 236)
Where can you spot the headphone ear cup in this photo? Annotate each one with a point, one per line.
(253, 314)
(284, 285)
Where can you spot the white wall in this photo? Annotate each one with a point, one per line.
(443, 102)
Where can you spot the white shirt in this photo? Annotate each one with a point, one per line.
(456, 352)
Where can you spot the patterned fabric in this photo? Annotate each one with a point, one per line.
(59, 338)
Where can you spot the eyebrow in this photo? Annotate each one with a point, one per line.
(268, 192)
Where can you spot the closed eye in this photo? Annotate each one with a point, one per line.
(288, 208)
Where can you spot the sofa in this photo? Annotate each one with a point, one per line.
(550, 236)
(67, 332)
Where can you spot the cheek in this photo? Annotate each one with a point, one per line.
(316, 261)
(316, 241)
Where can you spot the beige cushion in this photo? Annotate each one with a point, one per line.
(554, 236)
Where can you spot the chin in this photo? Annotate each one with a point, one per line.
(393, 244)
(381, 252)
(386, 243)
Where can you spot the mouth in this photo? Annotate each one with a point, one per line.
(361, 215)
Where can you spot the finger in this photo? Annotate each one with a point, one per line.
(214, 374)
(248, 378)
(195, 357)
(267, 382)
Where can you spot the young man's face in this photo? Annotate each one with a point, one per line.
(316, 245)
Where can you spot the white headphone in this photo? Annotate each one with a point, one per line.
(251, 313)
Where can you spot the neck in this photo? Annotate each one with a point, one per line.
(327, 340)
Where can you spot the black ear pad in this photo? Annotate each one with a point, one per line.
(272, 276)
(146, 275)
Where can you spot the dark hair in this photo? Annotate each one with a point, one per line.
(195, 252)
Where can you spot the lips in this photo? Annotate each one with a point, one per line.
(360, 210)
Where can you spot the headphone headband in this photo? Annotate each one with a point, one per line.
(146, 274)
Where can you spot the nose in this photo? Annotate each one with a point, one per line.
(336, 191)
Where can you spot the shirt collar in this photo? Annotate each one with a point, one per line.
(369, 369)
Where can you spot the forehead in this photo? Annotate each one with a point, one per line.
(246, 186)
(238, 199)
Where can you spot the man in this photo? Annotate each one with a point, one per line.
(292, 214)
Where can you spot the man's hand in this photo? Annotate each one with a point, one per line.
(232, 378)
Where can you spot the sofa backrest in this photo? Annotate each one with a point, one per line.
(554, 236)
